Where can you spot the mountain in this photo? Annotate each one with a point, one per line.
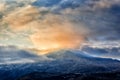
(89, 76)
(77, 61)
(59, 63)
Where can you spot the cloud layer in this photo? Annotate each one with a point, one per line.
(58, 23)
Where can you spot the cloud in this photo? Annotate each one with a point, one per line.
(15, 55)
(2, 7)
(100, 17)
(47, 28)
(19, 1)
(62, 27)
(20, 17)
(58, 33)
(101, 4)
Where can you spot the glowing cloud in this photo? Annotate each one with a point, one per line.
(49, 32)
(19, 18)
(2, 7)
(55, 33)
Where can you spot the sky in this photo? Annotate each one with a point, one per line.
(48, 25)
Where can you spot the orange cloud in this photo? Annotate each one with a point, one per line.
(49, 32)
(55, 33)
(19, 18)
(2, 7)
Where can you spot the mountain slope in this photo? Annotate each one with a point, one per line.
(61, 62)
